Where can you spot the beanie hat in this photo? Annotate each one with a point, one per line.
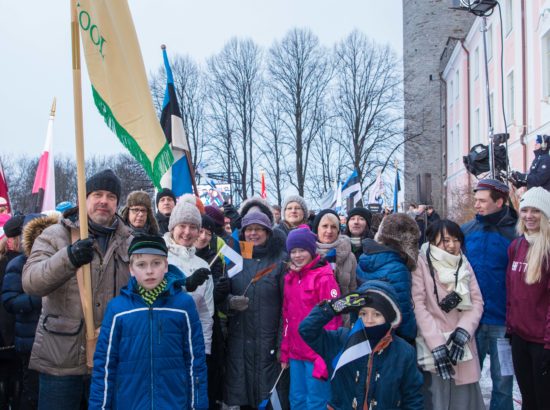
(319, 216)
(400, 233)
(148, 244)
(14, 226)
(215, 213)
(536, 197)
(298, 199)
(302, 237)
(492, 185)
(377, 301)
(363, 213)
(64, 206)
(104, 181)
(256, 217)
(185, 211)
(208, 223)
(164, 192)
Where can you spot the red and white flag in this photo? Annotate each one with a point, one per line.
(4, 189)
(44, 181)
(263, 192)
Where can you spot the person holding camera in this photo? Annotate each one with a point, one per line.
(447, 307)
(539, 173)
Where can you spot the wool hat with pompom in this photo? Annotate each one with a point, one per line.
(185, 211)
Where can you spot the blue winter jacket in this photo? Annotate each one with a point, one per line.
(486, 242)
(26, 308)
(394, 382)
(150, 357)
(383, 263)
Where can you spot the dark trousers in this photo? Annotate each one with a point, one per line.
(528, 367)
(29, 384)
(10, 383)
(63, 392)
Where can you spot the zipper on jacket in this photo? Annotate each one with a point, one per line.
(151, 356)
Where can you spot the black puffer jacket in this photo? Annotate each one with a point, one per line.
(162, 221)
(7, 320)
(254, 334)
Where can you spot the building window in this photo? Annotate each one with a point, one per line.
(451, 90)
(489, 43)
(510, 112)
(450, 144)
(477, 128)
(457, 85)
(476, 63)
(508, 17)
(545, 48)
(457, 142)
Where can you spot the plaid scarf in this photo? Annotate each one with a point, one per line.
(149, 296)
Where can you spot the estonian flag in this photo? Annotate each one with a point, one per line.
(352, 186)
(272, 401)
(357, 346)
(179, 178)
(396, 189)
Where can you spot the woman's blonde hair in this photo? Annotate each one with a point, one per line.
(539, 251)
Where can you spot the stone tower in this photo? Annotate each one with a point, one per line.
(427, 26)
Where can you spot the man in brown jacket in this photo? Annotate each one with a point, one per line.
(59, 352)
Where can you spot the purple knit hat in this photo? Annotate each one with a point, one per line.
(256, 217)
(215, 213)
(303, 238)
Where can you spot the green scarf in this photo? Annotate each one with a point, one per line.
(149, 296)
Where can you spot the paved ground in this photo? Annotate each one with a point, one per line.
(486, 386)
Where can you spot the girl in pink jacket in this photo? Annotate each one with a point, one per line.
(309, 280)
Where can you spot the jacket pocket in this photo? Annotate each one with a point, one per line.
(61, 326)
(62, 344)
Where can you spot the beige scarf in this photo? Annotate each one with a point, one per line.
(445, 266)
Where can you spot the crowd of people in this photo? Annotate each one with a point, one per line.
(392, 311)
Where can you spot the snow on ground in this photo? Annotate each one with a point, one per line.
(486, 386)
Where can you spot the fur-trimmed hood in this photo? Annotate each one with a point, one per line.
(34, 228)
(262, 204)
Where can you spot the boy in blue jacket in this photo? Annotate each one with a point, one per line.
(150, 351)
(369, 366)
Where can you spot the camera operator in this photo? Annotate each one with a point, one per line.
(539, 173)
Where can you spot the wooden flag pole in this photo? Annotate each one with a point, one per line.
(86, 287)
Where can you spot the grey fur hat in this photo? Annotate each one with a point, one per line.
(185, 211)
(400, 232)
(297, 199)
(142, 198)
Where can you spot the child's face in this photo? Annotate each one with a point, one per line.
(300, 257)
(148, 269)
(371, 317)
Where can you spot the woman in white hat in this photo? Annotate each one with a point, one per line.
(528, 299)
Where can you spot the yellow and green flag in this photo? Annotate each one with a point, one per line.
(119, 83)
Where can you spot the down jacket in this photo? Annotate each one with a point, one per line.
(59, 346)
(383, 263)
(254, 334)
(387, 379)
(150, 357)
(303, 291)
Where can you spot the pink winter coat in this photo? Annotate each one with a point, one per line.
(432, 322)
(303, 290)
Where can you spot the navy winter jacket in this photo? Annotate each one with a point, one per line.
(150, 357)
(394, 382)
(486, 242)
(380, 262)
(26, 308)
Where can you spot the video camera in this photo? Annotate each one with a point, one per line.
(477, 160)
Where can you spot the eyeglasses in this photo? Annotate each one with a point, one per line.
(138, 210)
(296, 208)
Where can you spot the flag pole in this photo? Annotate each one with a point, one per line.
(85, 298)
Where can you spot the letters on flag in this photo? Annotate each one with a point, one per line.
(357, 346)
(119, 83)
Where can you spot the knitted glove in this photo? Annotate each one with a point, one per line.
(196, 279)
(81, 252)
(239, 303)
(443, 364)
(222, 289)
(350, 302)
(457, 340)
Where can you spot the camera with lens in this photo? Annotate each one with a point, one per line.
(450, 301)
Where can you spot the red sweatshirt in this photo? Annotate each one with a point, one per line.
(527, 306)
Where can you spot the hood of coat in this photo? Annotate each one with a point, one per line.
(375, 256)
(342, 245)
(258, 202)
(385, 290)
(34, 228)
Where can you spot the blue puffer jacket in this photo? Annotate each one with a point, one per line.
(150, 357)
(486, 242)
(383, 263)
(26, 308)
(394, 382)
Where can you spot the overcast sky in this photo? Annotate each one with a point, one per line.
(35, 53)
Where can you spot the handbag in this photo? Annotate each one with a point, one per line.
(425, 358)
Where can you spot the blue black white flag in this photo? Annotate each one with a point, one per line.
(272, 401)
(357, 345)
(352, 186)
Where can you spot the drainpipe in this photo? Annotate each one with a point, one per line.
(524, 88)
(443, 121)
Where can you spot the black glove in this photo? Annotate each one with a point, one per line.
(196, 279)
(222, 289)
(350, 302)
(519, 179)
(239, 303)
(443, 364)
(81, 252)
(457, 340)
(231, 212)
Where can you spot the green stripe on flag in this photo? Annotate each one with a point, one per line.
(164, 159)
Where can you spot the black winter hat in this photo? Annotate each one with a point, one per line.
(148, 244)
(14, 226)
(363, 213)
(104, 181)
(381, 303)
(165, 192)
(208, 223)
(318, 217)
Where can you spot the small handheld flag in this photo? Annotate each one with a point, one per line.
(273, 397)
(357, 346)
(233, 257)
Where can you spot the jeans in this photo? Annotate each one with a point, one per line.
(486, 340)
(63, 392)
(307, 392)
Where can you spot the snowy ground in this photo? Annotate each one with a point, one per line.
(486, 386)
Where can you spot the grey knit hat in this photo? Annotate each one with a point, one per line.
(298, 199)
(185, 211)
(536, 197)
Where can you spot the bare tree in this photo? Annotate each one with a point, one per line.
(299, 74)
